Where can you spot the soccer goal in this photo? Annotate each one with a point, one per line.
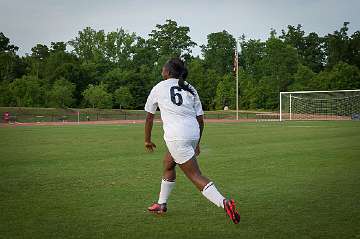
(320, 105)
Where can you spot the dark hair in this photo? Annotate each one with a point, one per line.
(177, 69)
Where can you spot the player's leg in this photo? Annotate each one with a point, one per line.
(167, 184)
(169, 177)
(208, 189)
(192, 171)
(169, 168)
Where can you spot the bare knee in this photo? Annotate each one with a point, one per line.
(169, 167)
(169, 163)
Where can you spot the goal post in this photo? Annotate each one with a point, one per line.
(319, 105)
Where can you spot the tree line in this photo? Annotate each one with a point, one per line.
(117, 69)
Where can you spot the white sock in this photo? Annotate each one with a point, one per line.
(211, 193)
(165, 190)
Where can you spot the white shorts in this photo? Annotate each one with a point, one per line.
(182, 150)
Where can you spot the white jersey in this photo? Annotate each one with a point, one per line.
(178, 109)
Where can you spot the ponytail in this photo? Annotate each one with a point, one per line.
(177, 69)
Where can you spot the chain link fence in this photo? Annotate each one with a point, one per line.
(29, 115)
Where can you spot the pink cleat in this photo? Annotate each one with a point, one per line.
(158, 208)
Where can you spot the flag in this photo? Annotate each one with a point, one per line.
(236, 59)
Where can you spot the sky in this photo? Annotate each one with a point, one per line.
(29, 22)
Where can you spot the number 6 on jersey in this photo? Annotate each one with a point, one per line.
(176, 98)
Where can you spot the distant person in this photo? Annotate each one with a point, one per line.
(182, 116)
(6, 117)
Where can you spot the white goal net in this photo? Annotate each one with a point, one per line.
(320, 105)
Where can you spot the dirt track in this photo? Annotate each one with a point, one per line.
(113, 122)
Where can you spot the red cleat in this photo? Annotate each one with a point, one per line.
(158, 208)
(229, 207)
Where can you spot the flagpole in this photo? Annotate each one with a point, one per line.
(237, 81)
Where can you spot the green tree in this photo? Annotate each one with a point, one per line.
(40, 52)
(11, 66)
(219, 52)
(89, 45)
(61, 94)
(205, 82)
(354, 46)
(37, 60)
(246, 89)
(341, 77)
(252, 53)
(268, 68)
(345, 76)
(122, 60)
(118, 77)
(138, 82)
(281, 62)
(60, 64)
(123, 97)
(337, 46)
(171, 40)
(314, 53)
(116, 47)
(6, 97)
(58, 47)
(295, 37)
(220, 98)
(119, 47)
(5, 44)
(27, 91)
(310, 48)
(97, 96)
(303, 79)
(225, 93)
(144, 54)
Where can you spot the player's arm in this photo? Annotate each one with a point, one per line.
(200, 120)
(150, 107)
(148, 128)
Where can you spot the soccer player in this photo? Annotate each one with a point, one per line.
(182, 116)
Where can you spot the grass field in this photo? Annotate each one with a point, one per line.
(291, 180)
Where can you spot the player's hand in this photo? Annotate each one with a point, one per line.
(197, 150)
(149, 146)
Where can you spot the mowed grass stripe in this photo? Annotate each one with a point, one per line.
(291, 180)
